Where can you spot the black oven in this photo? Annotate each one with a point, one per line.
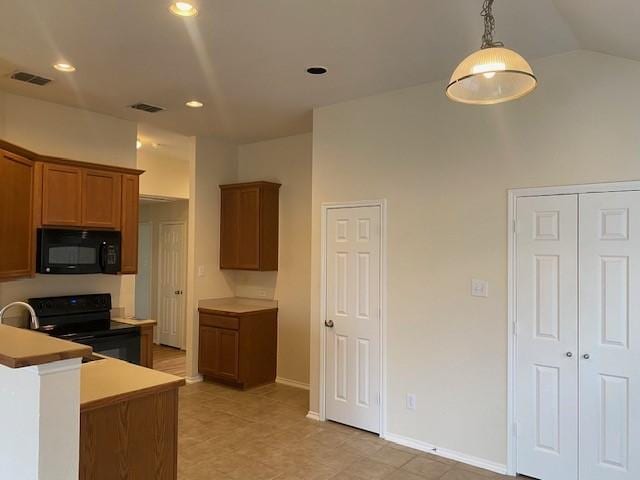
(78, 251)
(124, 345)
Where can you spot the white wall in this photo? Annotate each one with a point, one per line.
(164, 176)
(445, 169)
(286, 161)
(53, 129)
(213, 163)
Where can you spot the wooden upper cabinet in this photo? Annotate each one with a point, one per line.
(16, 216)
(129, 225)
(61, 195)
(101, 199)
(249, 226)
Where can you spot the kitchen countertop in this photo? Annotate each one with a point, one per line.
(108, 381)
(20, 347)
(237, 305)
(135, 321)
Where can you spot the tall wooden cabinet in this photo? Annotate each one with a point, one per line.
(38, 191)
(129, 224)
(16, 216)
(249, 226)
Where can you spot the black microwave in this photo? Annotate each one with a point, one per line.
(78, 251)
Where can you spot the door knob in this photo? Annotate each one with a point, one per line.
(569, 354)
(328, 323)
(586, 356)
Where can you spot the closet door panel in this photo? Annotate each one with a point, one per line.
(610, 336)
(547, 337)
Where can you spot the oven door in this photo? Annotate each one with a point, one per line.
(122, 345)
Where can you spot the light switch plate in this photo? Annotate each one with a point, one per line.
(479, 288)
(201, 270)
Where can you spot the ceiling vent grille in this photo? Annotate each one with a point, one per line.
(145, 107)
(30, 78)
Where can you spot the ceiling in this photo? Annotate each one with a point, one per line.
(246, 59)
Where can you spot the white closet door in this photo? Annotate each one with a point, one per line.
(547, 329)
(353, 317)
(610, 336)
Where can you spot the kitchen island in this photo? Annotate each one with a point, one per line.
(103, 419)
(128, 422)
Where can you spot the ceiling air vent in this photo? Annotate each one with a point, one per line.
(145, 107)
(30, 78)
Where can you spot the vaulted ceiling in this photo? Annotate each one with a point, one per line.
(246, 59)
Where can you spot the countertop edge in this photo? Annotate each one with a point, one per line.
(236, 314)
(124, 397)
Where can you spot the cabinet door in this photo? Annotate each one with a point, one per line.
(249, 228)
(227, 353)
(101, 199)
(61, 195)
(218, 353)
(229, 228)
(16, 216)
(207, 351)
(129, 226)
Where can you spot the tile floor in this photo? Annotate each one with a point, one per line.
(263, 434)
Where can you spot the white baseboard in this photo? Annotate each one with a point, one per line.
(313, 416)
(194, 379)
(292, 383)
(442, 452)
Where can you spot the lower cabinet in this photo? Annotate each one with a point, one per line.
(146, 346)
(132, 439)
(239, 349)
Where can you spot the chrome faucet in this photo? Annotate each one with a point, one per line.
(35, 324)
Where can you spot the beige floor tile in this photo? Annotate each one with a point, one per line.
(426, 468)
(369, 469)
(400, 474)
(262, 434)
(392, 456)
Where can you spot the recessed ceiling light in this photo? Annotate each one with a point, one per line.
(183, 9)
(138, 144)
(194, 104)
(317, 70)
(64, 67)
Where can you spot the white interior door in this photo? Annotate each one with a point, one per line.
(352, 357)
(610, 336)
(171, 280)
(547, 337)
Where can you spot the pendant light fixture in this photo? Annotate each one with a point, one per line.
(493, 74)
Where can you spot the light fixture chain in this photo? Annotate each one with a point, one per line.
(489, 26)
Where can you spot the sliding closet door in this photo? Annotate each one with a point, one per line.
(547, 337)
(610, 336)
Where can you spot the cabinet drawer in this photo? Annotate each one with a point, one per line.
(209, 320)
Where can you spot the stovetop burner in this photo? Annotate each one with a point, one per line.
(74, 316)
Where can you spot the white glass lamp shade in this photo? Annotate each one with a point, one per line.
(491, 75)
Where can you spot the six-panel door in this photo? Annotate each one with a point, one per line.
(547, 337)
(353, 360)
(610, 336)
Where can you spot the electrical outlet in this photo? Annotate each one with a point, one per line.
(479, 288)
(201, 270)
(411, 401)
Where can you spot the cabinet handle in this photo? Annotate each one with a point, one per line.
(569, 354)
(586, 356)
